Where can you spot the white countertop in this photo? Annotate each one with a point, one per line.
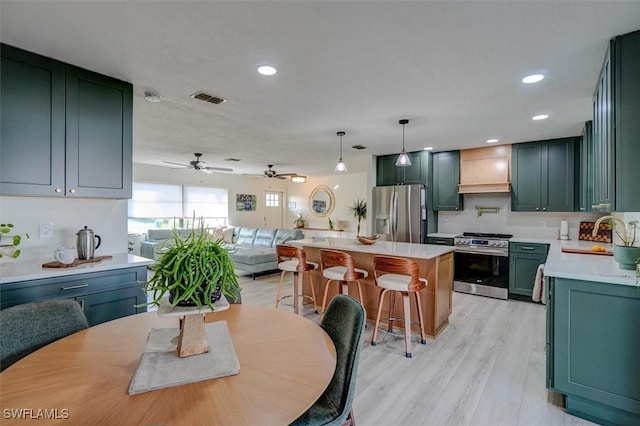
(25, 271)
(419, 251)
(578, 266)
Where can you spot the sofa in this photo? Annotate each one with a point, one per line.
(252, 249)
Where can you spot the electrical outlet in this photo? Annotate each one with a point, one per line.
(45, 230)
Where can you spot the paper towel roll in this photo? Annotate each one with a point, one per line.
(564, 230)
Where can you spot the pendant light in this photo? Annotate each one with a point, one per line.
(403, 159)
(340, 166)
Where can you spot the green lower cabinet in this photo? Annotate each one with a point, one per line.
(595, 344)
(110, 305)
(524, 259)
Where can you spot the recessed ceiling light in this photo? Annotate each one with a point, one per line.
(428, 148)
(492, 140)
(267, 70)
(533, 78)
(540, 117)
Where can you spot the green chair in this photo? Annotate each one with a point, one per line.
(344, 322)
(28, 327)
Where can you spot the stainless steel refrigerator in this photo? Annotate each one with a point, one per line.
(399, 213)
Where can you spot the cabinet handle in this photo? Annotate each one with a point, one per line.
(72, 191)
(81, 301)
(441, 242)
(527, 248)
(455, 208)
(58, 190)
(73, 287)
(537, 208)
(544, 209)
(582, 209)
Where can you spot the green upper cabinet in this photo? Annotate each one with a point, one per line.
(99, 135)
(446, 178)
(416, 173)
(32, 126)
(584, 166)
(616, 128)
(73, 126)
(543, 176)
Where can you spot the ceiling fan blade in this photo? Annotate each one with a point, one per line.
(279, 177)
(179, 164)
(286, 174)
(217, 169)
(205, 170)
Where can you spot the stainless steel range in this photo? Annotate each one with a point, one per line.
(482, 264)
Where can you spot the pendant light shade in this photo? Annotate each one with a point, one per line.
(403, 160)
(341, 166)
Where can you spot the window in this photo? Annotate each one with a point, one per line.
(272, 199)
(155, 205)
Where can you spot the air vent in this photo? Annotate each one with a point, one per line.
(359, 147)
(208, 98)
(232, 159)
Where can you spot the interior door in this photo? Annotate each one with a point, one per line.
(273, 209)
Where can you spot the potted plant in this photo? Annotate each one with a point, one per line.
(195, 270)
(626, 252)
(359, 211)
(299, 222)
(8, 243)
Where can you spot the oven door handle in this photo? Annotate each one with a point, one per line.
(484, 252)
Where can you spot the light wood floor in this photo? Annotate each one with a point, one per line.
(486, 368)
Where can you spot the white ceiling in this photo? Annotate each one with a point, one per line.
(452, 68)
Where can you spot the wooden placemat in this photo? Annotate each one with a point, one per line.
(603, 235)
(58, 264)
(585, 251)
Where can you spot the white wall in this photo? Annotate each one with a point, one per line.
(521, 224)
(235, 184)
(345, 187)
(108, 218)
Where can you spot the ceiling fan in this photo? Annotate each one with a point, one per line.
(200, 165)
(270, 173)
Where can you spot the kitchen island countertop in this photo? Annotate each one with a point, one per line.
(420, 251)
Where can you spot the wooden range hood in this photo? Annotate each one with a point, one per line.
(485, 170)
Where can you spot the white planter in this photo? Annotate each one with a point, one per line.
(7, 254)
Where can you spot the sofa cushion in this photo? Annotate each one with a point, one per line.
(253, 255)
(264, 237)
(246, 236)
(159, 234)
(284, 235)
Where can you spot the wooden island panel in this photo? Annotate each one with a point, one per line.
(436, 298)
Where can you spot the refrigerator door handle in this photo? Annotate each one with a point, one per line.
(394, 215)
(409, 218)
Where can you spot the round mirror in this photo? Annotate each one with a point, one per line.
(321, 201)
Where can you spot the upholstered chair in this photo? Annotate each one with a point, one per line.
(28, 327)
(344, 322)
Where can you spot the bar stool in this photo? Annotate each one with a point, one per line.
(294, 259)
(338, 266)
(396, 274)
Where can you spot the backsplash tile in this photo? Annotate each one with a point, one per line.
(520, 224)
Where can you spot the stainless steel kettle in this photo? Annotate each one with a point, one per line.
(86, 243)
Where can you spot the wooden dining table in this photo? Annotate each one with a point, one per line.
(286, 362)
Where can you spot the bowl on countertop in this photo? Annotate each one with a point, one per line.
(368, 240)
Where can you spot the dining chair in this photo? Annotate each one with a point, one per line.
(344, 322)
(401, 275)
(294, 259)
(339, 266)
(28, 327)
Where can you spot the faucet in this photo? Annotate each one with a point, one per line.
(603, 218)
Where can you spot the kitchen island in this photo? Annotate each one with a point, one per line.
(593, 337)
(435, 263)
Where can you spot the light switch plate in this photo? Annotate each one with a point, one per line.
(45, 230)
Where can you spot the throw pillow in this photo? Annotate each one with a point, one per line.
(227, 234)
